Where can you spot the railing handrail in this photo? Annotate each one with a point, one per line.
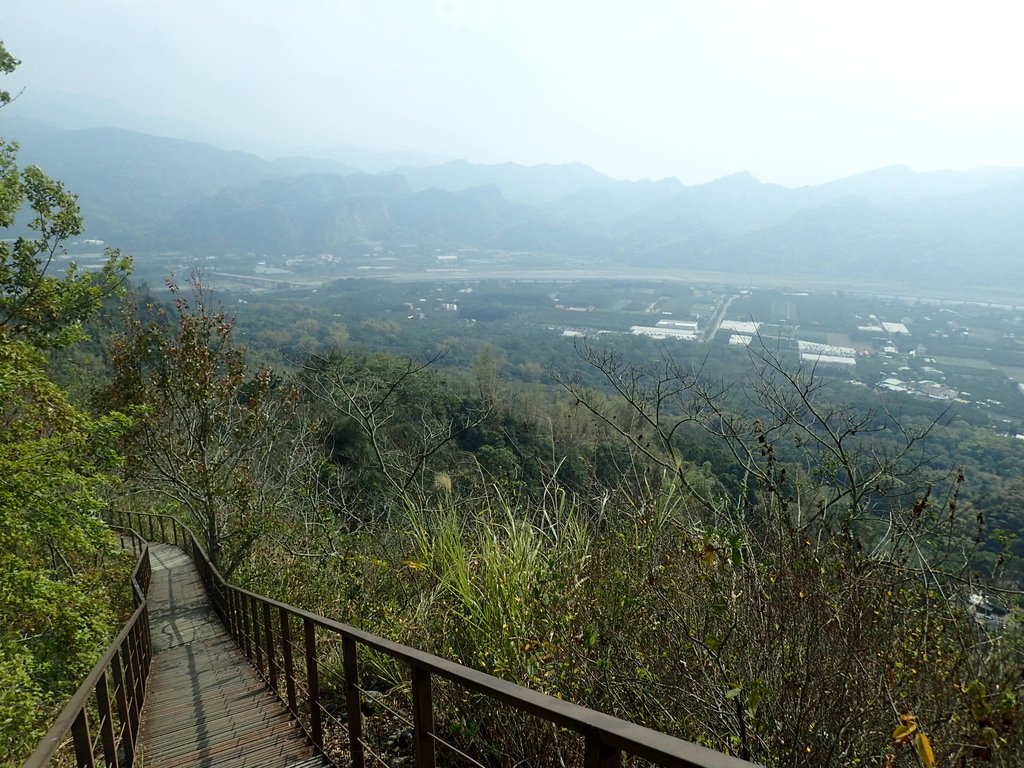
(79, 701)
(630, 737)
(611, 732)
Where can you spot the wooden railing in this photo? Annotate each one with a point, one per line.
(101, 721)
(287, 645)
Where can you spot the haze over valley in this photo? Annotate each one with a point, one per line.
(893, 228)
(795, 142)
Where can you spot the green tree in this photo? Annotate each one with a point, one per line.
(395, 421)
(60, 571)
(38, 303)
(59, 565)
(7, 65)
(220, 441)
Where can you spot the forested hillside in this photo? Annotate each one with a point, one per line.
(721, 561)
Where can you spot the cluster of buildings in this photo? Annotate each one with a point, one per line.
(741, 332)
(872, 336)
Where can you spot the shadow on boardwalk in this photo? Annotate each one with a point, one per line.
(206, 706)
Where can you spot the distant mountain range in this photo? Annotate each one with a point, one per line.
(151, 194)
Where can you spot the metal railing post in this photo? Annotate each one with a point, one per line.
(257, 636)
(597, 754)
(130, 685)
(316, 729)
(83, 744)
(147, 648)
(289, 662)
(422, 717)
(352, 704)
(237, 607)
(219, 603)
(232, 617)
(268, 641)
(138, 670)
(121, 700)
(106, 723)
(243, 604)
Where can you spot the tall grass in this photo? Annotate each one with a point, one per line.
(496, 585)
(734, 629)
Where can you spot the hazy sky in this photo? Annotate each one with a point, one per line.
(795, 91)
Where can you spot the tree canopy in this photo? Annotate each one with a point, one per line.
(61, 570)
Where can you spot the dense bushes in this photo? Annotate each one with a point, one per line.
(751, 627)
(793, 611)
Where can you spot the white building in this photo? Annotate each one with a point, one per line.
(655, 332)
(815, 348)
(678, 325)
(817, 358)
(741, 326)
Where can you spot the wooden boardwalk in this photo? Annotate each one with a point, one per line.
(205, 705)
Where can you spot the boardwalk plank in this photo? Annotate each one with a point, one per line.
(206, 705)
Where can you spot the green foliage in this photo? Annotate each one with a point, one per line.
(214, 437)
(62, 576)
(784, 614)
(35, 303)
(394, 415)
(499, 583)
(60, 569)
(741, 633)
(7, 65)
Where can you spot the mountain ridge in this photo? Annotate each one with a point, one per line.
(152, 194)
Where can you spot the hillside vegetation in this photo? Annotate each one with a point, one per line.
(790, 613)
(63, 579)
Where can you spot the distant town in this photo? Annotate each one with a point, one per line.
(956, 350)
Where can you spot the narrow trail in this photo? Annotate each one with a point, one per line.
(205, 705)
